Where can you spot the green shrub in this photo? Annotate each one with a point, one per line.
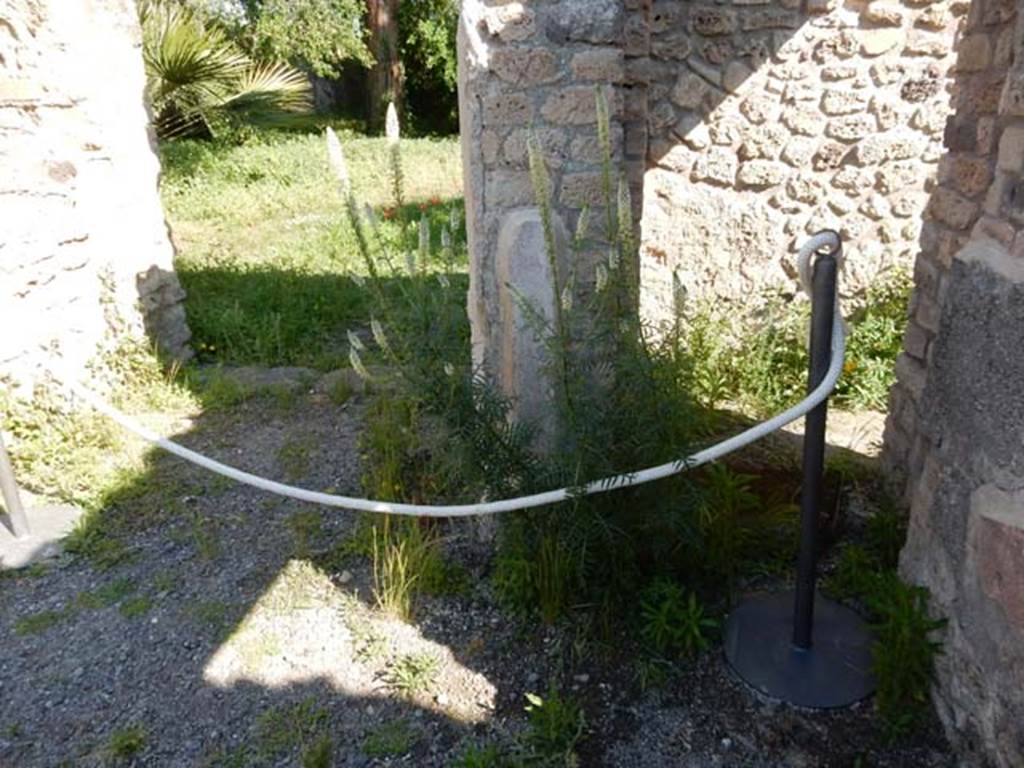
(760, 358)
(903, 654)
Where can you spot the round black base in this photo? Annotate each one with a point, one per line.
(834, 672)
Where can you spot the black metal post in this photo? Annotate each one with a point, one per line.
(768, 637)
(823, 303)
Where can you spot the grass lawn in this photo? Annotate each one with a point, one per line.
(265, 251)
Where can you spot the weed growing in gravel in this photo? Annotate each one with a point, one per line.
(296, 726)
(555, 726)
(674, 622)
(107, 595)
(306, 528)
(212, 614)
(369, 645)
(135, 607)
(126, 743)
(412, 674)
(390, 739)
(484, 756)
(204, 535)
(293, 457)
(904, 651)
(318, 754)
(37, 623)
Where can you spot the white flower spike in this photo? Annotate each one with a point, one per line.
(337, 160)
(391, 126)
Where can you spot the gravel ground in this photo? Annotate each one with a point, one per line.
(223, 643)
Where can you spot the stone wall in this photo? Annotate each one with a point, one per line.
(83, 240)
(769, 121)
(955, 429)
(821, 113)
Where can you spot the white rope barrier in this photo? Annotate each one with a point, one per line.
(758, 431)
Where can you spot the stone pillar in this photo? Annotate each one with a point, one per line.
(530, 65)
(956, 422)
(84, 239)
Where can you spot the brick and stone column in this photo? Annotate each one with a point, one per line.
(956, 423)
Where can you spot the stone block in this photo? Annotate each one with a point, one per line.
(884, 14)
(850, 127)
(606, 65)
(761, 173)
(506, 189)
(513, 22)
(875, 42)
(690, 90)
(506, 110)
(953, 209)
(576, 105)
(842, 102)
(598, 22)
(525, 66)
(799, 151)
(524, 275)
(1011, 149)
(974, 53)
(718, 166)
(581, 189)
(711, 21)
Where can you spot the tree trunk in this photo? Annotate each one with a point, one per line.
(385, 81)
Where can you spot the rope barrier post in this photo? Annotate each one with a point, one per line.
(12, 499)
(797, 646)
(823, 307)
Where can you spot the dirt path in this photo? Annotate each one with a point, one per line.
(239, 632)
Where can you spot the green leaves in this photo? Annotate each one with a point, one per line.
(674, 622)
(198, 79)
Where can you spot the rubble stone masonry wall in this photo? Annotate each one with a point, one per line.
(742, 126)
(955, 429)
(83, 238)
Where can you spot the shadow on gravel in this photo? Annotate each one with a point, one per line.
(206, 623)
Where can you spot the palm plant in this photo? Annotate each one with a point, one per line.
(198, 80)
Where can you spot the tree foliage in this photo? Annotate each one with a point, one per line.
(317, 35)
(199, 81)
(427, 30)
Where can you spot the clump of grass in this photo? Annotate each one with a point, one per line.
(674, 622)
(412, 674)
(296, 726)
(306, 527)
(126, 743)
(204, 535)
(136, 607)
(390, 739)
(38, 623)
(107, 595)
(555, 726)
(318, 754)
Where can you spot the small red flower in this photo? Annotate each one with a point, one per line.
(435, 200)
(388, 213)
